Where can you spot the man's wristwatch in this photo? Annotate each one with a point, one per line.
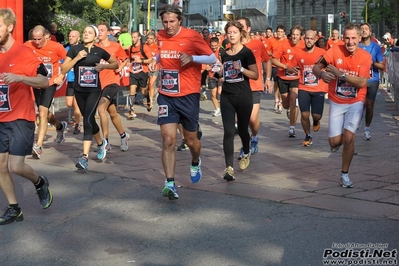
(343, 76)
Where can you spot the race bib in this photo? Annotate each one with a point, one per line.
(309, 79)
(88, 77)
(4, 101)
(170, 81)
(49, 68)
(137, 67)
(230, 74)
(216, 68)
(345, 90)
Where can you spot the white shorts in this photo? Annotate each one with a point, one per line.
(344, 116)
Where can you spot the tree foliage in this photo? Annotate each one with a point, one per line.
(384, 10)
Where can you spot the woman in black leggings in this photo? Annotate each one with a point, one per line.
(85, 59)
(239, 66)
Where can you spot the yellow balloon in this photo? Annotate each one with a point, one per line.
(107, 4)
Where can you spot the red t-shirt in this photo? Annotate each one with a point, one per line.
(135, 53)
(153, 50)
(17, 99)
(109, 76)
(260, 53)
(331, 43)
(307, 80)
(50, 54)
(285, 53)
(175, 79)
(215, 68)
(356, 65)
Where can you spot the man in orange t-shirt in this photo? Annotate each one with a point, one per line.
(181, 53)
(287, 75)
(311, 90)
(214, 84)
(20, 69)
(257, 86)
(347, 69)
(334, 40)
(50, 53)
(110, 80)
(152, 47)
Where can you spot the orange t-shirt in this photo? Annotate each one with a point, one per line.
(275, 43)
(135, 53)
(215, 68)
(307, 80)
(260, 53)
(356, 65)
(50, 54)
(267, 42)
(331, 43)
(285, 53)
(109, 76)
(177, 80)
(17, 99)
(153, 50)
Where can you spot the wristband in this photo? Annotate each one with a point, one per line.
(242, 69)
(268, 78)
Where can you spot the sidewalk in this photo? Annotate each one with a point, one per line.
(283, 171)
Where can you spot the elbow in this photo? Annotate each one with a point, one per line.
(44, 82)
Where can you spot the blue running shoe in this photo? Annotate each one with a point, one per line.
(241, 154)
(254, 146)
(195, 172)
(82, 164)
(169, 190)
(102, 151)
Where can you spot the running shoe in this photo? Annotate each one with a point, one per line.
(195, 172)
(244, 162)
(101, 151)
(36, 151)
(169, 190)
(61, 133)
(367, 134)
(345, 181)
(241, 154)
(276, 102)
(316, 126)
(183, 146)
(44, 193)
(11, 215)
(280, 108)
(82, 164)
(108, 147)
(308, 141)
(217, 113)
(203, 96)
(334, 149)
(291, 133)
(254, 146)
(76, 129)
(228, 174)
(132, 115)
(125, 142)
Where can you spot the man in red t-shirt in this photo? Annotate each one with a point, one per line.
(347, 68)
(152, 47)
(334, 41)
(110, 80)
(50, 53)
(20, 70)
(181, 53)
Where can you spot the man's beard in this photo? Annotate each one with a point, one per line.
(309, 48)
(5, 39)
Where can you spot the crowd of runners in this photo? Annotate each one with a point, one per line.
(178, 67)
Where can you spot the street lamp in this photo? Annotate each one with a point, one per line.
(367, 10)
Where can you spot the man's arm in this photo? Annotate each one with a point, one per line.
(39, 81)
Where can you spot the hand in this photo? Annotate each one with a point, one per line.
(11, 78)
(153, 65)
(333, 70)
(82, 54)
(293, 70)
(185, 59)
(269, 86)
(99, 67)
(236, 65)
(327, 77)
(58, 80)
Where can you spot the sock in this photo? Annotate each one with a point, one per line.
(170, 179)
(195, 164)
(308, 135)
(132, 99)
(15, 207)
(107, 140)
(343, 172)
(85, 155)
(102, 142)
(123, 135)
(255, 138)
(292, 127)
(39, 183)
(59, 127)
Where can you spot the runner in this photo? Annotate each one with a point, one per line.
(110, 80)
(347, 68)
(214, 84)
(139, 58)
(311, 90)
(287, 76)
(85, 60)
(239, 65)
(70, 101)
(334, 40)
(20, 70)
(373, 83)
(204, 74)
(181, 53)
(50, 53)
(257, 86)
(151, 46)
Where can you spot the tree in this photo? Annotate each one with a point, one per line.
(386, 11)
